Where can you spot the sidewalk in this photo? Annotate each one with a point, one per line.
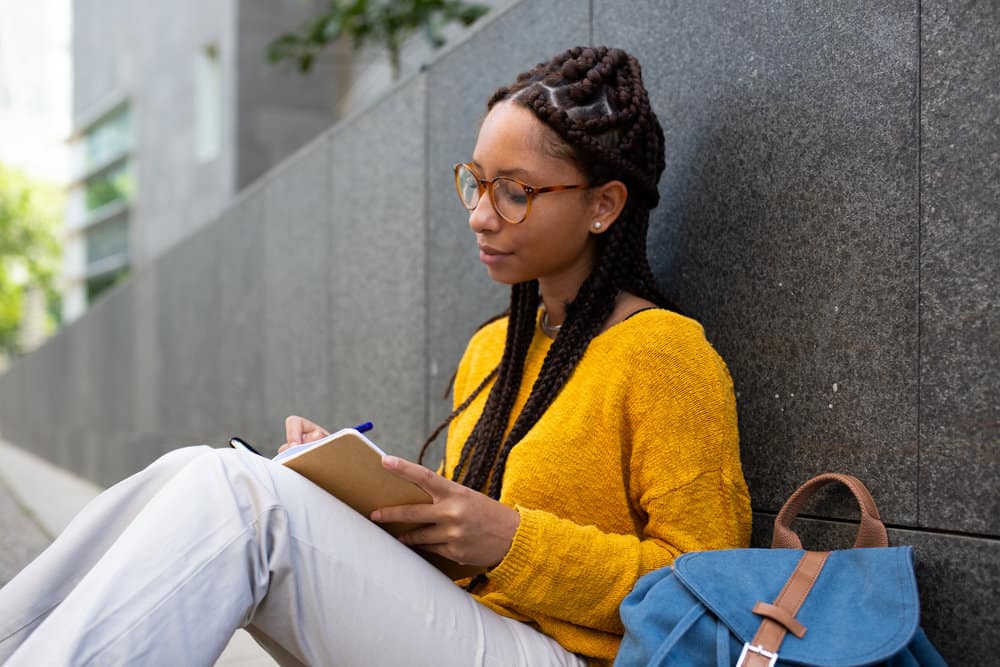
(38, 500)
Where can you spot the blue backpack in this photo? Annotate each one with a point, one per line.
(784, 605)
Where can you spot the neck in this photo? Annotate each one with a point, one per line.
(558, 290)
(551, 327)
(555, 301)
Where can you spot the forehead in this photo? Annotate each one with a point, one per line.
(512, 138)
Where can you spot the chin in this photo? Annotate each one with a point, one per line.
(504, 280)
(504, 277)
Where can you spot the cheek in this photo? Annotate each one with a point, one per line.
(574, 236)
(561, 244)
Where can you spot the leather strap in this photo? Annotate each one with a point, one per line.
(781, 616)
(871, 532)
(775, 625)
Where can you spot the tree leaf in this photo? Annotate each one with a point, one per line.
(386, 23)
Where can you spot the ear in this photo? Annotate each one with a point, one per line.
(607, 202)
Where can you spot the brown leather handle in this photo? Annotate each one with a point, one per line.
(871, 532)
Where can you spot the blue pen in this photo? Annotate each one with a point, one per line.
(362, 428)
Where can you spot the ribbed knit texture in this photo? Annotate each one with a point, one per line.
(635, 462)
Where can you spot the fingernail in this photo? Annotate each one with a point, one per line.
(376, 516)
(390, 461)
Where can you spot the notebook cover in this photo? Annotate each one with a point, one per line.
(348, 467)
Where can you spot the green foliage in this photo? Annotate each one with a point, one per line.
(30, 216)
(387, 23)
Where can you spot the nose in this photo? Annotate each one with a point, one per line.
(484, 217)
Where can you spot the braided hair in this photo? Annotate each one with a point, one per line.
(595, 101)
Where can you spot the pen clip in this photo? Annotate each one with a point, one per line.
(239, 443)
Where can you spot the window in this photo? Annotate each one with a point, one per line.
(107, 188)
(111, 185)
(108, 240)
(109, 139)
(102, 282)
(208, 104)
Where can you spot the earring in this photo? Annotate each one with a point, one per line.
(597, 224)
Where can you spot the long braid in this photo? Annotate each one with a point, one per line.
(454, 413)
(474, 471)
(461, 407)
(596, 296)
(595, 101)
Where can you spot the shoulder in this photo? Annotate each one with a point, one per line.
(658, 331)
(660, 346)
(626, 306)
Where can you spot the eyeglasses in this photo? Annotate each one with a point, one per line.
(510, 197)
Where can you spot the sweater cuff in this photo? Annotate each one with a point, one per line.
(523, 547)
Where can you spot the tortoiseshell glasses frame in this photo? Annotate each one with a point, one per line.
(512, 203)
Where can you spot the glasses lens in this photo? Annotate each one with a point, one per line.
(468, 187)
(510, 199)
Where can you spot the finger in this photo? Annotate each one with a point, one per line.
(315, 434)
(283, 447)
(426, 513)
(428, 480)
(426, 536)
(293, 429)
(313, 426)
(443, 550)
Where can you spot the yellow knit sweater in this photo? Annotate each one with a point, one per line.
(635, 462)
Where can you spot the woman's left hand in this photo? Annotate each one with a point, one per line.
(465, 526)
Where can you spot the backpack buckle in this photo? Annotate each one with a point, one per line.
(772, 658)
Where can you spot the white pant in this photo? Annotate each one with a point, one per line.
(163, 567)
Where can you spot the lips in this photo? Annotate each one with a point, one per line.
(489, 255)
(490, 250)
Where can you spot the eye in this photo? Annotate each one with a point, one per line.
(510, 191)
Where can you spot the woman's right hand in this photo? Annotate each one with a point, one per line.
(299, 430)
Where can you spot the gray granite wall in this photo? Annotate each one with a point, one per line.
(830, 213)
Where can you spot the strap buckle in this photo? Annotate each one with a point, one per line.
(772, 658)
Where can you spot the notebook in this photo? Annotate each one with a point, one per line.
(349, 465)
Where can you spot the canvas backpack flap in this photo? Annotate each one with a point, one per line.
(862, 610)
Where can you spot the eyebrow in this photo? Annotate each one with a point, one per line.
(513, 171)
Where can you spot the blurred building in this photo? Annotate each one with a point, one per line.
(175, 110)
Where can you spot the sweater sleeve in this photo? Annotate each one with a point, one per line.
(681, 444)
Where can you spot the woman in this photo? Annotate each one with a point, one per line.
(593, 440)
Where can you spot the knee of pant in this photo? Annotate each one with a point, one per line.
(176, 459)
(242, 468)
(242, 476)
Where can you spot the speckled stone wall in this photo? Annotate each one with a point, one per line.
(830, 213)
